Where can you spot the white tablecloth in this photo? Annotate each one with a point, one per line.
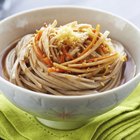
(129, 9)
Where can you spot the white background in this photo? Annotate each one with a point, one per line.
(129, 9)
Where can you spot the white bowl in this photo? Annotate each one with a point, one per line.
(69, 112)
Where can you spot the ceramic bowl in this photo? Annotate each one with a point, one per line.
(69, 112)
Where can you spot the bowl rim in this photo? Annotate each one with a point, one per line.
(75, 97)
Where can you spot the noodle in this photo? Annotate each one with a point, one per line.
(73, 59)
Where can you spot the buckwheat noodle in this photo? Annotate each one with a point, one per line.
(73, 59)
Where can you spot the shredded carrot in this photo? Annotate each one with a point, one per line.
(53, 69)
(47, 61)
(105, 50)
(64, 50)
(92, 59)
(37, 50)
(81, 61)
(61, 59)
(100, 50)
(38, 35)
(92, 42)
(87, 48)
(40, 54)
(67, 55)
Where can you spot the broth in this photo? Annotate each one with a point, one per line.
(3, 71)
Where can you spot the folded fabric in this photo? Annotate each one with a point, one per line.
(123, 122)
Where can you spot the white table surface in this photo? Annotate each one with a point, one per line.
(129, 9)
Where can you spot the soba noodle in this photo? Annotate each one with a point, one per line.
(73, 59)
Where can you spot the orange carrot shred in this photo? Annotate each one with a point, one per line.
(67, 55)
(53, 69)
(92, 42)
(38, 35)
(61, 59)
(47, 61)
(41, 55)
(38, 52)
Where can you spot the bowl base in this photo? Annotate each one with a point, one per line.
(61, 125)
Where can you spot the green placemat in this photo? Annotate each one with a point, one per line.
(121, 123)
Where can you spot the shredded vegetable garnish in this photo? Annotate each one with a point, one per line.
(73, 59)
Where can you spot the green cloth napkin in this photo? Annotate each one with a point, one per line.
(121, 123)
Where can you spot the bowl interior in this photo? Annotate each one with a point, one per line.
(19, 25)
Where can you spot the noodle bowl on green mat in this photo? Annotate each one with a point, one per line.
(78, 57)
